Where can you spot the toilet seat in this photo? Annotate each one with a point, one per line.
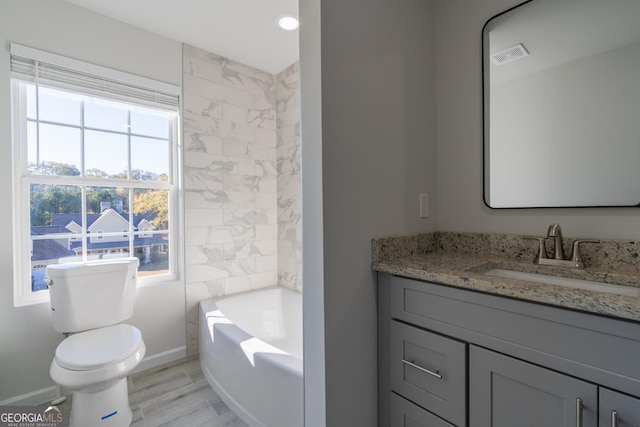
(98, 347)
(99, 378)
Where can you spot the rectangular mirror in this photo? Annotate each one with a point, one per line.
(561, 86)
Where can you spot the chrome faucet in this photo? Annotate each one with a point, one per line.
(556, 232)
(575, 260)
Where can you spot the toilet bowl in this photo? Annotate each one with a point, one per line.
(88, 301)
(94, 366)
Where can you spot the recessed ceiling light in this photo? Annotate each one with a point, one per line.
(288, 22)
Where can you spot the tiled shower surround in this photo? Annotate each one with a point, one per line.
(241, 178)
(289, 184)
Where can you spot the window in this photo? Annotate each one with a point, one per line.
(95, 155)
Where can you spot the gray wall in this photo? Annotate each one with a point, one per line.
(312, 226)
(27, 337)
(459, 140)
(377, 155)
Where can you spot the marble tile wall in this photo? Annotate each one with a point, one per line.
(233, 222)
(289, 184)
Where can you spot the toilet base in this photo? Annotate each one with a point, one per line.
(105, 408)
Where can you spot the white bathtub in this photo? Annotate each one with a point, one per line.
(251, 354)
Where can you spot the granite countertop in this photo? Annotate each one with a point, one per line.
(466, 269)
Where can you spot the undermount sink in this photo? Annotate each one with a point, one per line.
(565, 281)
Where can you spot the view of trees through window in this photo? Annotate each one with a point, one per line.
(98, 177)
(47, 200)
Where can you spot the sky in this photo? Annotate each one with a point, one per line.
(106, 143)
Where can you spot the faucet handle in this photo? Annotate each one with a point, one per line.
(575, 252)
(542, 247)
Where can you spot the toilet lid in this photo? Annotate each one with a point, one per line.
(98, 347)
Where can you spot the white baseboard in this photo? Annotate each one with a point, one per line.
(32, 398)
(161, 358)
(49, 393)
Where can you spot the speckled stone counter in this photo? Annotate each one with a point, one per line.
(461, 260)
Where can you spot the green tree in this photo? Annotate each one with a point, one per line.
(53, 168)
(97, 195)
(47, 200)
(144, 175)
(140, 175)
(96, 173)
(153, 201)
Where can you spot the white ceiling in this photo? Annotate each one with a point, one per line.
(242, 30)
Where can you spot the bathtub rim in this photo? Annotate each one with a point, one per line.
(280, 358)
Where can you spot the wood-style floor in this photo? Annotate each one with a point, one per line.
(176, 394)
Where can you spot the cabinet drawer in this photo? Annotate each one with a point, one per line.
(430, 370)
(406, 414)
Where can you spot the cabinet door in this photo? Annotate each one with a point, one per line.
(406, 414)
(618, 410)
(507, 392)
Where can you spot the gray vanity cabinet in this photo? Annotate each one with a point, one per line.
(500, 362)
(618, 410)
(507, 392)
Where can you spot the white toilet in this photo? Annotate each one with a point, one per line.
(89, 300)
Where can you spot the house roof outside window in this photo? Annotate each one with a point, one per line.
(62, 223)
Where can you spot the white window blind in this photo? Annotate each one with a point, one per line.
(47, 69)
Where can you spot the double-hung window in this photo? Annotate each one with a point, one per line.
(95, 158)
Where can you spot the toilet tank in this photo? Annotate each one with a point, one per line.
(92, 294)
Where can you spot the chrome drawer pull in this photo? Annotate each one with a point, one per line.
(420, 368)
(579, 407)
(614, 419)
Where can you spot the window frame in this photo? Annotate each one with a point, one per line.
(22, 180)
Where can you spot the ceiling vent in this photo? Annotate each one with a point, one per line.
(515, 52)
